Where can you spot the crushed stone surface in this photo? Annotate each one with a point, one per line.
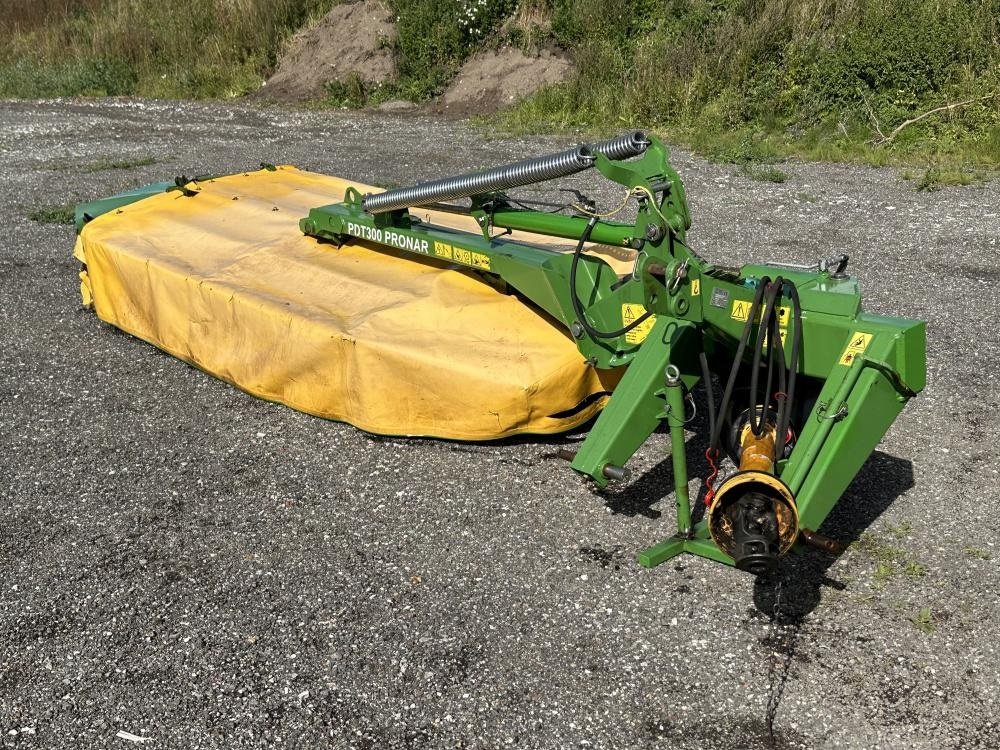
(184, 564)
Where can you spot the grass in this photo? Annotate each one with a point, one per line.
(812, 79)
(62, 214)
(104, 164)
(884, 571)
(889, 559)
(924, 621)
(186, 48)
(901, 531)
(915, 569)
(977, 553)
(752, 82)
(764, 173)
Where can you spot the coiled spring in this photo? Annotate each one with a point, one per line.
(518, 174)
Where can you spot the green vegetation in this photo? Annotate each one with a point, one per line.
(435, 36)
(53, 214)
(915, 569)
(901, 531)
(889, 559)
(883, 572)
(184, 48)
(924, 621)
(748, 81)
(764, 173)
(104, 164)
(821, 79)
(977, 553)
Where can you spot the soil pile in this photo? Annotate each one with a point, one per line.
(352, 39)
(491, 80)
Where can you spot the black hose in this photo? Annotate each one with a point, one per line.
(727, 394)
(768, 329)
(578, 306)
(785, 408)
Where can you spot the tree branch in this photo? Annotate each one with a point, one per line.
(884, 140)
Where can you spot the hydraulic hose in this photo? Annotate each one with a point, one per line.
(785, 408)
(769, 330)
(581, 315)
(727, 394)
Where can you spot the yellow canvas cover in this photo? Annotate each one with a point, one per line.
(226, 281)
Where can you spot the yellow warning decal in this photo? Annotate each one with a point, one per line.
(855, 346)
(695, 287)
(479, 260)
(468, 257)
(631, 313)
(741, 311)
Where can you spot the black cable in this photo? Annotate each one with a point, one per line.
(769, 330)
(785, 414)
(578, 306)
(727, 394)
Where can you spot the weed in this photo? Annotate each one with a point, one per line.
(764, 173)
(903, 530)
(881, 552)
(64, 214)
(352, 92)
(977, 553)
(934, 178)
(924, 621)
(915, 569)
(104, 164)
(884, 571)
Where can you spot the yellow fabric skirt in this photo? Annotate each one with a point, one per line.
(394, 345)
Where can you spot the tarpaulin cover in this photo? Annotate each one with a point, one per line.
(226, 281)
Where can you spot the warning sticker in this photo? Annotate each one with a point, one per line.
(855, 346)
(468, 257)
(695, 287)
(741, 311)
(481, 261)
(630, 314)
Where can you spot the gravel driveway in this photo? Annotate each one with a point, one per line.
(186, 563)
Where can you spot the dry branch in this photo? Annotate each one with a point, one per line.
(884, 140)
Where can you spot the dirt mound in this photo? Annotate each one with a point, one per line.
(492, 80)
(353, 38)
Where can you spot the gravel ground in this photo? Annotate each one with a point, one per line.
(186, 563)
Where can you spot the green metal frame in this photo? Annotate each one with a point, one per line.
(695, 304)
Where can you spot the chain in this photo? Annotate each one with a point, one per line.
(783, 634)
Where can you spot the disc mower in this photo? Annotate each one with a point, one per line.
(800, 384)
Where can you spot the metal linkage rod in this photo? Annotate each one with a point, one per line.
(518, 174)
